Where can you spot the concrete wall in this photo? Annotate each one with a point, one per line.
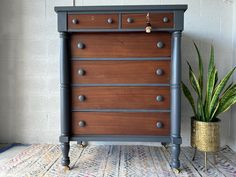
(232, 137)
(29, 61)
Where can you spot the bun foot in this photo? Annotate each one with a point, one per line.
(66, 168)
(83, 144)
(165, 145)
(176, 170)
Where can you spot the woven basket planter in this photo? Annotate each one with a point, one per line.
(205, 136)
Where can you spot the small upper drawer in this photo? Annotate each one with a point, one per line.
(157, 20)
(88, 21)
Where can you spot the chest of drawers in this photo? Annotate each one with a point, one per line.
(119, 83)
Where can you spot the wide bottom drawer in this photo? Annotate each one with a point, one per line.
(97, 123)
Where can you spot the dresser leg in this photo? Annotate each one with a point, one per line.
(65, 148)
(175, 151)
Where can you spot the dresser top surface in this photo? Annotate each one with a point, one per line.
(181, 7)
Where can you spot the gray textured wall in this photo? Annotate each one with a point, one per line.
(232, 135)
(29, 62)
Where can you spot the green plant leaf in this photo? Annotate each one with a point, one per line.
(227, 104)
(214, 113)
(189, 97)
(209, 90)
(200, 67)
(200, 110)
(218, 91)
(212, 78)
(212, 60)
(194, 81)
(228, 95)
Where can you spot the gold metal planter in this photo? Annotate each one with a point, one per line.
(205, 136)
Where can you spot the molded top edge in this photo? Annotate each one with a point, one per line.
(121, 8)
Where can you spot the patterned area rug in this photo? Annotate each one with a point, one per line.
(114, 161)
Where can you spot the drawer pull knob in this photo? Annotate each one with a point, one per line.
(165, 19)
(130, 20)
(159, 98)
(160, 44)
(159, 125)
(81, 98)
(82, 123)
(81, 45)
(81, 72)
(75, 21)
(159, 72)
(109, 20)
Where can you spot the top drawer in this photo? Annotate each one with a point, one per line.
(111, 21)
(91, 21)
(157, 20)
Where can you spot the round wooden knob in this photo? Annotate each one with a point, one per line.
(159, 98)
(130, 20)
(165, 19)
(159, 125)
(159, 72)
(81, 98)
(80, 45)
(109, 20)
(75, 21)
(81, 72)
(82, 123)
(160, 44)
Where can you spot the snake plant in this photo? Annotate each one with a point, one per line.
(211, 97)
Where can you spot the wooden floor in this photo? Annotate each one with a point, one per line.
(114, 161)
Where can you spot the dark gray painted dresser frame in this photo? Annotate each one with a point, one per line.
(65, 72)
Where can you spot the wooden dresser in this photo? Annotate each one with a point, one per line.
(118, 82)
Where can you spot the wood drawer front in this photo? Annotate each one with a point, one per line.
(91, 21)
(120, 45)
(92, 123)
(120, 98)
(157, 20)
(119, 72)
